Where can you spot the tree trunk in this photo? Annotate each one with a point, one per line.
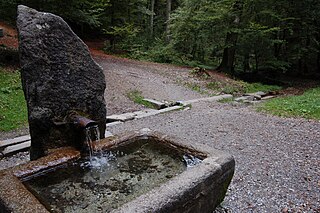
(256, 58)
(168, 12)
(246, 64)
(152, 19)
(129, 11)
(112, 39)
(227, 63)
(318, 62)
(229, 52)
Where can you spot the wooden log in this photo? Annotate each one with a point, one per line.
(13, 141)
(16, 148)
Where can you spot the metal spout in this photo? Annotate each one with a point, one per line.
(83, 122)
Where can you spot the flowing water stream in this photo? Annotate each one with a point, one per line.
(96, 157)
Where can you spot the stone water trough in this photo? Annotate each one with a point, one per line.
(141, 171)
(199, 188)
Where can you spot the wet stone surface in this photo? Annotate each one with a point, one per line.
(110, 180)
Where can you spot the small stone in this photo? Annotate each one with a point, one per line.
(257, 97)
(169, 176)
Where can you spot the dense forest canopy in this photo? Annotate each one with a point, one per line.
(234, 36)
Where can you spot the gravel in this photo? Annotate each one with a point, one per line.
(155, 81)
(277, 159)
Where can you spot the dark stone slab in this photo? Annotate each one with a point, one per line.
(59, 78)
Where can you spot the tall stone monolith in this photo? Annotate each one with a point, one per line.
(59, 78)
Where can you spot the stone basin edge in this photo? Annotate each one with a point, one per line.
(211, 177)
(187, 191)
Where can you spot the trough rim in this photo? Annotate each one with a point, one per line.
(15, 197)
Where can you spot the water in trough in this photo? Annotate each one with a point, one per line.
(103, 181)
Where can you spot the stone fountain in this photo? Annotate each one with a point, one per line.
(60, 81)
(141, 171)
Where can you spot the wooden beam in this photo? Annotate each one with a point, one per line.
(15, 140)
(16, 148)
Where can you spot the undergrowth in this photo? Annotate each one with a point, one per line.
(13, 110)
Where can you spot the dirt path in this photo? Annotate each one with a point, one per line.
(10, 38)
(155, 81)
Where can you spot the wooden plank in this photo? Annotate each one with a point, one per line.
(16, 148)
(114, 123)
(210, 99)
(122, 117)
(15, 140)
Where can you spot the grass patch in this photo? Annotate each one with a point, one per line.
(226, 100)
(305, 106)
(136, 96)
(13, 110)
(257, 87)
(240, 87)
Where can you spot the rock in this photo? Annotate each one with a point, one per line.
(257, 97)
(156, 104)
(59, 77)
(244, 98)
(261, 93)
(267, 97)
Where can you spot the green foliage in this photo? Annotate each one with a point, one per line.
(124, 37)
(266, 36)
(215, 85)
(79, 12)
(241, 87)
(306, 105)
(13, 110)
(136, 96)
(271, 36)
(194, 26)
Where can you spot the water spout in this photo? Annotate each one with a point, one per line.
(82, 122)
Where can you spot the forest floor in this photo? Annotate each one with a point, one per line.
(10, 38)
(277, 159)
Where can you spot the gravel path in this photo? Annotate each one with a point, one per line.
(277, 159)
(155, 81)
